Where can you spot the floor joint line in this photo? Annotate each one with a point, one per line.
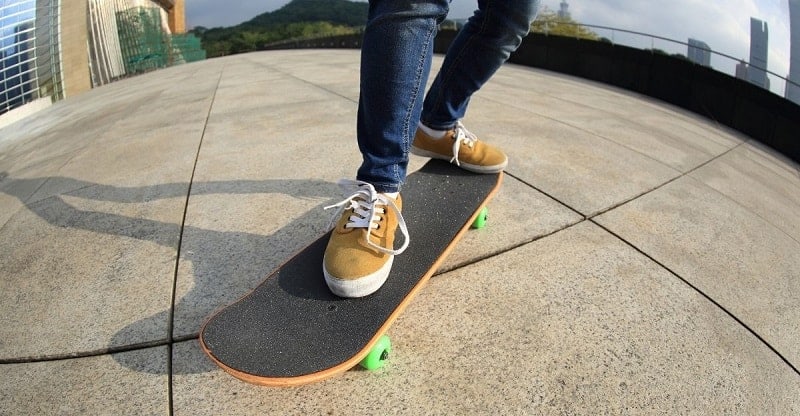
(171, 317)
(703, 294)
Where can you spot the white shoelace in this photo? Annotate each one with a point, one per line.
(367, 204)
(465, 136)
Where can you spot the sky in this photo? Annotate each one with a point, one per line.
(723, 24)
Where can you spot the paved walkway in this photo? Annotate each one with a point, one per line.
(640, 259)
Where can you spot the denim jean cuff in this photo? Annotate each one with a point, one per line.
(385, 189)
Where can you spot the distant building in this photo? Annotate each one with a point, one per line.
(453, 24)
(699, 52)
(563, 11)
(793, 91)
(127, 37)
(62, 48)
(741, 70)
(759, 46)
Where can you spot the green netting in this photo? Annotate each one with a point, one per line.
(145, 46)
(142, 40)
(187, 48)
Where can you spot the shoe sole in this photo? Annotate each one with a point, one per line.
(357, 288)
(466, 166)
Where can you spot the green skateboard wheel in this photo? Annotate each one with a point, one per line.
(378, 354)
(483, 216)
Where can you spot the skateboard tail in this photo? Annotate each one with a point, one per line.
(322, 375)
(287, 381)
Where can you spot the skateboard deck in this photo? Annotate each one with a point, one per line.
(292, 330)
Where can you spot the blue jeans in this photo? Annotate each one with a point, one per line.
(396, 60)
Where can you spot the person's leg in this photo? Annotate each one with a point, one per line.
(478, 51)
(395, 62)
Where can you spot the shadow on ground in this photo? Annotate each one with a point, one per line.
(225, 265)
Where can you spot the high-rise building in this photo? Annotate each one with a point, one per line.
(741, 70)
(792, 90)
(699, 52)
(759, 46)
(563, 11)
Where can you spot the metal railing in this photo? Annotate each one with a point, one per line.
(29, 59)
(721, 62)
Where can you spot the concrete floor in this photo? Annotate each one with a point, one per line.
(640, 260)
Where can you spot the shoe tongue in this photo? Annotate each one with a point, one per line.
(369, 194)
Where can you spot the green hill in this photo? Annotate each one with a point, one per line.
(337, 12)
(297, 19)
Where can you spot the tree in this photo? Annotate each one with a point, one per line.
(198, 30)
(298, 19)
(550, 22)
(338, 12)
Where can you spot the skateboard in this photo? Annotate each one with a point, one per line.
(291, 330)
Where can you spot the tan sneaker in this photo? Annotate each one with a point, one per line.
(461, 147)
(360, 251)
